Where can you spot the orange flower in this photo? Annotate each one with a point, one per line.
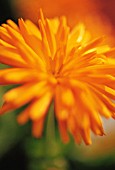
(56, 63)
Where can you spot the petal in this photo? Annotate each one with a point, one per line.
(40, 106)
(5, 36)
(73, 128)
(34, 30)
(63, 131)
(37, 127)
(23, 117)
(24, 94)
(31, 39)
(26, 52)
(12, 24)
(17, 76)
(10, 57)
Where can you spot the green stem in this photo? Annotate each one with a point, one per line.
(50, 131)
(47, 155)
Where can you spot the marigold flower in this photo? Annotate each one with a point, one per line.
(52, 62)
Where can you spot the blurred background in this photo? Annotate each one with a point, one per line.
(18, 149)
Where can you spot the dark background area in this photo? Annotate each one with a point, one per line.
(5, 11)
(14, 159)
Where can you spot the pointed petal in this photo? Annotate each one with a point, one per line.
(37, 127)
(40, 106)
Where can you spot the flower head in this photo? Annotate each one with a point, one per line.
(53, 62)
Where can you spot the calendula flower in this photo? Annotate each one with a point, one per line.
(52, 62)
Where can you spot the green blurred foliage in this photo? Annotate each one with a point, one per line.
(10, 131)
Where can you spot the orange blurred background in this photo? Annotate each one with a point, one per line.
(97, 15)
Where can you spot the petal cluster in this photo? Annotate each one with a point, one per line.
(51, 62)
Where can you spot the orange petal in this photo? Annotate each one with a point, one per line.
(63, 131)
(39, 107)
(12, 24)
(37, 127)
(17, 76)
(23, 117)
(22, 95)
(11, 57)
